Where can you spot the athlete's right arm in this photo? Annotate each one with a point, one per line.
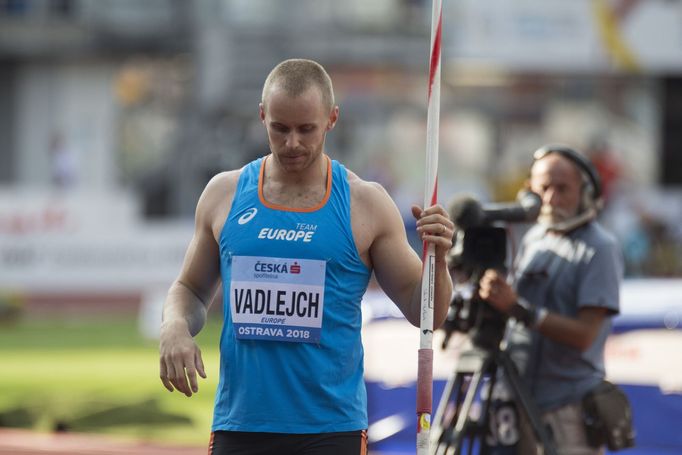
(184, 311)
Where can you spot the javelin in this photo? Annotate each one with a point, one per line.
(425, 366)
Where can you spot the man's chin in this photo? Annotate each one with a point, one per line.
(293, 163)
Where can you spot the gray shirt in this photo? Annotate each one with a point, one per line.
(582, 268)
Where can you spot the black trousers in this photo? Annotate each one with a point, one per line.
(246, 443)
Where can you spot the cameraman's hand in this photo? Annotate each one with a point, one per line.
(494, 289)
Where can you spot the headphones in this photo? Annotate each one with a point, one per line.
(586, 168)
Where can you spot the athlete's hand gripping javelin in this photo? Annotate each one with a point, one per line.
(434, 226)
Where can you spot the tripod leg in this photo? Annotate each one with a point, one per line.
(443, 405)
(446, 413)
(485, 409)
(527, 405)
(462, 425)
(454, 409)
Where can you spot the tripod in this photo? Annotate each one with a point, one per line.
(453, 423)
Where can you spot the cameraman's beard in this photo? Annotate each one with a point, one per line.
(559, 220)
(550, 216)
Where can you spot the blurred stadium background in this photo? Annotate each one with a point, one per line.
(115, 113)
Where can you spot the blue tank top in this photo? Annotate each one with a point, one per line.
(291, 355)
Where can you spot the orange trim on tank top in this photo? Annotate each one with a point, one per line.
(269, 205)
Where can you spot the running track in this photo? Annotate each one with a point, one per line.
(22, 442)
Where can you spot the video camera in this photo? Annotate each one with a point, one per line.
(479, 243)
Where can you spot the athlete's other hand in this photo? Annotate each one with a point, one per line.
(180, 358)
(434, 226)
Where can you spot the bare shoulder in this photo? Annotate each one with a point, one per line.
(216, 199)
(220, 187)
(224, 183)
(367, 194)
(372, 207)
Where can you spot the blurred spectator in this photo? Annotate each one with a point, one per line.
(63, 162)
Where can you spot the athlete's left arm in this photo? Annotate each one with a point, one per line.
(397, 267)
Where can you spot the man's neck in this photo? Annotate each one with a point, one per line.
(303, 189)
(312, 174)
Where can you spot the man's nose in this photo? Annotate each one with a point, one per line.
(549, 196)
(293, 140)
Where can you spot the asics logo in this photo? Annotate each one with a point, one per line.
(248, 215)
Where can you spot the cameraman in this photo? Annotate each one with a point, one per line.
(564, 293)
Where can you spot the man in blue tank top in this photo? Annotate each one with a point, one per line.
(294, 237)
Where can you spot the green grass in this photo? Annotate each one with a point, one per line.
(100, 376)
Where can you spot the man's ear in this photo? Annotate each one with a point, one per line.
(261, 112)
(333, 118)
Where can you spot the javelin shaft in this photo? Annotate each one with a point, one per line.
(425, 365)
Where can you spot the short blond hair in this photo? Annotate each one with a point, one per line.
(295, 76)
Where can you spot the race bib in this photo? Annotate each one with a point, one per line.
(277, 299)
